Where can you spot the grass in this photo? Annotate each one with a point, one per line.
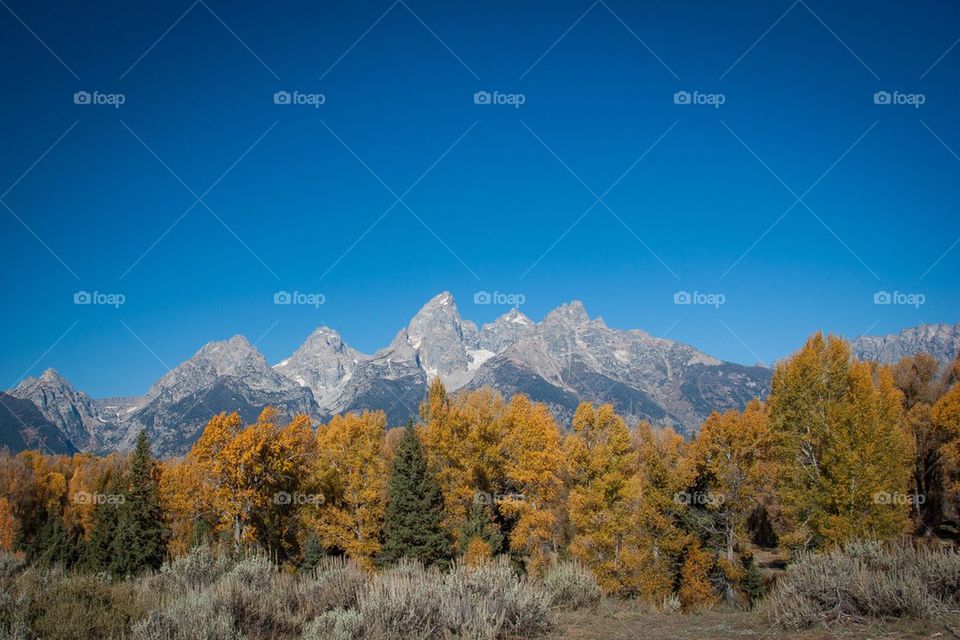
(619, 620)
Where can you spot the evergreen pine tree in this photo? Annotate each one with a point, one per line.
(413, 526)
(55, 544)
(480, 524)
(140, 541)
(313, 553)
(98, 554)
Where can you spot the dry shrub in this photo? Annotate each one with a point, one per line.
(335, 583)
(194, 615)
(484, 602)
(336, 624)
(571, 585)
(55, 605)
(862, 581)
(249, 599)
(199, 568)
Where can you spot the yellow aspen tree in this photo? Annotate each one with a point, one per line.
(663, 538)
(187, 507)
(695, 587)
(221, 480)
(845, 457)
(8, 525)
(352, 476)
(462, 441)
(247, 472)
(533, 469)
(731, 461)
(483, 410)
(604, 498)
(945, 416)
(918, 378)
(445, 438)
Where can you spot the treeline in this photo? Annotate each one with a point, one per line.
(841, 450)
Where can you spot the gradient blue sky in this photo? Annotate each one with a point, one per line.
(596, 96)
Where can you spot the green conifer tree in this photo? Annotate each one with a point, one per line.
(480, 523)
(413, 526)
(140, 542)
(98, 554)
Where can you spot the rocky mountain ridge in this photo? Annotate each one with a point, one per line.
(565, 358)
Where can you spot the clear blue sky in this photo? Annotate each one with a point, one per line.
(598, 83)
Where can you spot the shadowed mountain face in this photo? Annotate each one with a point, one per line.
(23, 426)
(566, 358)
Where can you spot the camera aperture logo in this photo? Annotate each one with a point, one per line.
(515, 100)
(699, 498)
(700, 298)
(714, 100)
(914, 100)
(897, 498)
(483, 497)
(114, 100)
(299, 297)
(512, 299)
(298, 98)
(85, 497)
(899, 298)
(297, 498)
(109, 299)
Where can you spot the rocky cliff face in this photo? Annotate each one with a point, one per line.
(23, 426)
(939, 340)
(72, 411)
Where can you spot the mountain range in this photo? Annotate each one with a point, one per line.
(565, 358)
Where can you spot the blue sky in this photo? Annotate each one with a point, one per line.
(796, 199)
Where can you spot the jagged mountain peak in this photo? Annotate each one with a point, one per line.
(514, 316)
(71, 410)
(49, 377)
(52, 375)
(572, 311)
(324, 363)
(323, 338)
(440, 311)
(227, 352)
(234, 357)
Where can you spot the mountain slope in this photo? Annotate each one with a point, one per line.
(939, 340)
(230, 375)
(566, 358)
(74, 412)
(23, 426)
(569, 357)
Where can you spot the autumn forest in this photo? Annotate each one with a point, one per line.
(841, 452)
